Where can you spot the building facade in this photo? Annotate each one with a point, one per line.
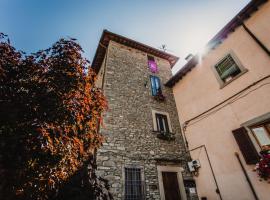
(144, 155)
(223, 101)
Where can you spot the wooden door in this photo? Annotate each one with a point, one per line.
(171, 186)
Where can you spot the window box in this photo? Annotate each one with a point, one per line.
(165, 136)
(263, 166)
(159, 96)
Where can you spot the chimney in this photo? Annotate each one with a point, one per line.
(189, 57)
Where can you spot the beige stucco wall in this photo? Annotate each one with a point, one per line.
(199, 90)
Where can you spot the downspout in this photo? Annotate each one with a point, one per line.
(264, 48)
(247, 177)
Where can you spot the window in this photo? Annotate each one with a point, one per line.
(133, 184)
(262, 133)
(155, 85)
(152, 64)
(227, 68)
(162, 123)
(171, 183)
(246, 146)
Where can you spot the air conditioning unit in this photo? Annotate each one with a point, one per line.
(194, 165)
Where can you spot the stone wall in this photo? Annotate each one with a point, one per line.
(128, 124)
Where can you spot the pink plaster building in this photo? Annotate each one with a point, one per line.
(223, 102)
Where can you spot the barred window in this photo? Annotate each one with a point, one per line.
(227, 68)
(133, 184)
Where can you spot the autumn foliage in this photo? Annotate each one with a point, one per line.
(50, 110)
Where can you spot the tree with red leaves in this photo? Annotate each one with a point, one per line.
(50, 110)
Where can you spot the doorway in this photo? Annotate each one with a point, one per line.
(171, 184)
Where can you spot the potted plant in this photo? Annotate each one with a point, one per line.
(263, 166)
(159, 96)
(165, 136)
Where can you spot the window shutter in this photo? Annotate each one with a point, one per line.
(155, 84)
(246, 146)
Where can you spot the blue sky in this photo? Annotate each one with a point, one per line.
(183, 26)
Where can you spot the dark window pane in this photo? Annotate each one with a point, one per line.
(133, 184)
(151, 58)
(162, 123)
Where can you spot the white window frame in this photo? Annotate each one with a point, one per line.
(179, 171)
(252, 122)
(155, 126)
(261, 125)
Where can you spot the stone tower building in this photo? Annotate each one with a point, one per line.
(144, 153)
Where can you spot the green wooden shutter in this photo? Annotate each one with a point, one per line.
(246, 146)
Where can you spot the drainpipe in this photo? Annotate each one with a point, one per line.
(264, 48)
(247, 177)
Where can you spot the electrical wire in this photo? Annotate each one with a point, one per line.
(226, 104)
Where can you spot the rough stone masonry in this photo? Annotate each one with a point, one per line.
(131, 140)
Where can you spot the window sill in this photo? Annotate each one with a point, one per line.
(159, 98)
(165, 135)
(222, 85)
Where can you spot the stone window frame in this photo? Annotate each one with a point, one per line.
(253, 122)
(155, 127)
(142, 178)
(178, 170)
(243, 70)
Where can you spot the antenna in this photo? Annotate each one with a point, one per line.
(163, 47)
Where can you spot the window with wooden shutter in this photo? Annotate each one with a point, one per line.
(155, 85)
(246, 146)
